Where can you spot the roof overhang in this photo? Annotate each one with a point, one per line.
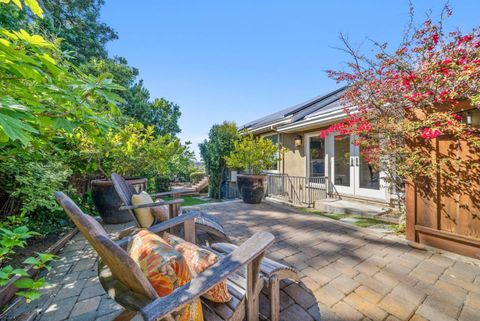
(268, 127)
(316, 121)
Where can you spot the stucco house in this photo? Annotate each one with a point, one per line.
(333, 164)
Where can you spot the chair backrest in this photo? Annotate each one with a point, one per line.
(125, 191)
(123, 268)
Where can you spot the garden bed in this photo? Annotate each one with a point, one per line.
(358, 220)
(51, 245)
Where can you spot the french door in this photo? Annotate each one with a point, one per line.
(351, 173)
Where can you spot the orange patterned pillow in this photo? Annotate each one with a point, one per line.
(165, 268)
(198, 260)
(161, 212)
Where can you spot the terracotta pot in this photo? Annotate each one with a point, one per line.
(107, 202)
(252, 187)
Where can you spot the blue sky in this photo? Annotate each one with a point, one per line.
(239, 60)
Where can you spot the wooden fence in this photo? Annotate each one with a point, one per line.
(444, 211)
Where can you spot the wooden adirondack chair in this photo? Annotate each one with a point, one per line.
(203, 221)
(124, 281)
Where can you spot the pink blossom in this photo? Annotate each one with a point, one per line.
(429, 133)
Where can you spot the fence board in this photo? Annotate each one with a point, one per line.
(444, 211)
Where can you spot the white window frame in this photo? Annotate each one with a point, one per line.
(306, 140)
(273, 171)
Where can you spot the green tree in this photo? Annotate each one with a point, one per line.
(77, 23)
(220, 143)
(11, 18)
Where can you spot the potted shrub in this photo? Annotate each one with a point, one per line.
(252, 155)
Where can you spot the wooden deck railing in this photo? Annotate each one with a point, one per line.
(297, 190)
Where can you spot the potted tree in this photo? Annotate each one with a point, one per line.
(252, 155)
(136, 153)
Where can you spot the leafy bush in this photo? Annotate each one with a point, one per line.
(27, 287)
(253, 154)
(32, 179)
(162, 184)
(196, 177)
(132, 150)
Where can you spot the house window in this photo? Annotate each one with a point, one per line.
(274, 139)
(316, 160)
(471, 117)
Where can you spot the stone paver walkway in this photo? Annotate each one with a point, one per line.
(347, 273)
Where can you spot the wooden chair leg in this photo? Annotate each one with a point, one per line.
(274, 283)
(254, 286)
(125, 315)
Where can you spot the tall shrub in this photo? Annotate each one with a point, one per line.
(220, 143)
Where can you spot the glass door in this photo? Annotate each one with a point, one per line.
(342, 168)
(368, 180)
(351, 173)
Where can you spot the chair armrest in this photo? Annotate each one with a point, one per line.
(160, 227)
(133, 207)
(180, 191)
(253, 248)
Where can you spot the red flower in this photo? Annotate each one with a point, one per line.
(457, 117)
(466, 38)
(429, 133)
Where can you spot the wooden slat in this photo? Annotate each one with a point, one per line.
(134, 207)
(253, 288)
(157, 228)
(268, 266)
(453, 236)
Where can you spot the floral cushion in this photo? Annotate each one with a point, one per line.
(160, 212)
(198, 260)
(165, 268)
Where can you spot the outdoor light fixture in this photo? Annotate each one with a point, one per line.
(298, 141)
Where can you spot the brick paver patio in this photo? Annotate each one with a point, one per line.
(347, 273)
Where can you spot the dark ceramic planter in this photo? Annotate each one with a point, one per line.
(107, 202)
(252, 187)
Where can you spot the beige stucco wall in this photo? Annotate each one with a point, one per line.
(293, 161)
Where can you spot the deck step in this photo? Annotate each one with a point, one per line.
(337, 206)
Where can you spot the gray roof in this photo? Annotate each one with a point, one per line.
(301, 111)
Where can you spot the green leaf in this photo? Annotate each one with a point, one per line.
(31, 261)
(21, 229)
(7, 269)
(30, 295)
(16, 129)
(45, 257)
(18, 3)
(35, 7)
(20, 272)
(25, 283)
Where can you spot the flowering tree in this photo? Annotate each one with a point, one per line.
(398, 102)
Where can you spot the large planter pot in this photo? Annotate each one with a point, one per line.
(107, 202)
(252, 187)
